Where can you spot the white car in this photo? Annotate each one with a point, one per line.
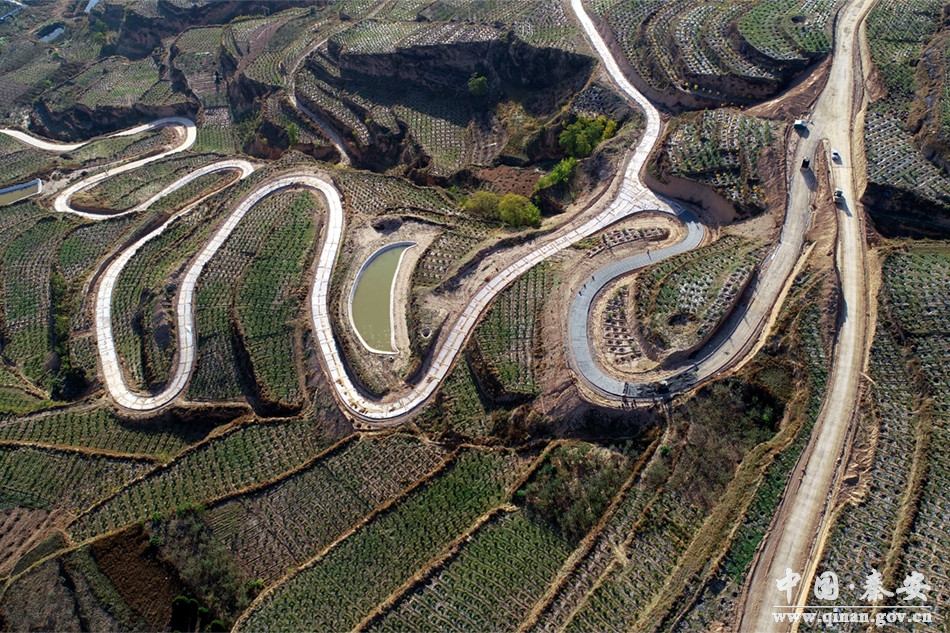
(835, 156)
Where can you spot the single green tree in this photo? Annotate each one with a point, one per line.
(478, 85)
(293, 133)
(483, 203)
(517, 211)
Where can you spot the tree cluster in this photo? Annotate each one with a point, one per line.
(512, 209)
(581, 137)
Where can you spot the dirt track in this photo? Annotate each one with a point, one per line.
(801, 516)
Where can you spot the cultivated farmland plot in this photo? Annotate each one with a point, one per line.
(343, 585)
(292, 520)
(246, 455)
(508, 337)
(680, 301)
(227, 306)
(722, 150)
(45, 478)
(27, 265)
(703, 48)
(101, 429)
(490, 585)
(916, 284)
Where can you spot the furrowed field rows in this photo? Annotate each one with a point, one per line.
(680, 301)
(195, 53)
(917, 288)
(19, 162)
(766, 499)
(375, 194)
(216, 132)
(255, 278)
(269, 299)
(101, 429)
(581, 580)
(285, 45)
(292, 520)
(722, 149)
(142, 304)
(862, 538)
(691, 46)
(651, 553)
(124, 191)
(45, 478)
(620, 345)
(447, 251)
(507, 337)
(347, 582)
(327, 99)
(27, 267)
(490, 585)
(16, 400)
(250, 454)
(461, 404)
(87, 244)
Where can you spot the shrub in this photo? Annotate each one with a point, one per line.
(574, 486)
(478, 85)
(483, 203)
(561, 173)
(581, 137)
(516, 211)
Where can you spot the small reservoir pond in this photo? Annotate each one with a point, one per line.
(371, 302)
(18, 192)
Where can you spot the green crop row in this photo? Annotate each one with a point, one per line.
(293, 519)
(250, 454)
(346, 583)
(46, 478)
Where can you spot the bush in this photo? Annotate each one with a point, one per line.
(561, 173)
(581, 137)
(483, 203)
(516, 211)
(478, 85)
(574, 486)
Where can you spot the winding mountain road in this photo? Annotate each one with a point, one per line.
(632, 197)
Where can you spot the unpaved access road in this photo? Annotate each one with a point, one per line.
(805, 507)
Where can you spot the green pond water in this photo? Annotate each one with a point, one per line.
(372, 299)
(10, 197)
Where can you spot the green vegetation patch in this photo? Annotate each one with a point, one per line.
(721, 149)
(490, 585)
(250, 454)
(44, 478)
(574, 486)
(681, 301)
(319, 503)
(102, 429)
(344, 584)
(507, 341)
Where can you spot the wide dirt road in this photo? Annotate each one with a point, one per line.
(805, 505)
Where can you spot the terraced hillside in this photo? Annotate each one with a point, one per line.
(726, 51)
(906, 129)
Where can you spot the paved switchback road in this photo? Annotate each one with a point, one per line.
(805, 506)
(728, 350)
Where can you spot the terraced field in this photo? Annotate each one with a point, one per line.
(508, 338)
(343, 584)
(896, 132)
(679, 303)
(726, 51)
(246, 455)
(319, 503)
(722, 149)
